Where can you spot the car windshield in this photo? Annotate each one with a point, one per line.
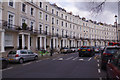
(111, 50)
(12, 52)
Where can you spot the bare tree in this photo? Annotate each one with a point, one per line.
(96, 7)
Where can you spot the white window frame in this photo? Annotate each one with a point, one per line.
(47, 17)
(10, 13)
(25, 8)
(47, 8)
(53, 20)
(57, 22)
(39, 26)
(33, 11)
(13, 4)
(33, 24)
(8, 40)
(41, 15)
(53, 11)
(25, 21)
(47, 28)
(42, 4)
(0, 14)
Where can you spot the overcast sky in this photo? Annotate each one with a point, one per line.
(110, 9)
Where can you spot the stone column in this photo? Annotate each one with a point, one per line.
(2, 41)
(68, 43)
(23, 41)
(40, 42)
(53, 42)
(45, 43)
(28, 42)
(36, 42)
(57, 42)
(71, 43)
(50, 43)
(63, 43)
(18, 41)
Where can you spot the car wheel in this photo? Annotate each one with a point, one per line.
(4, 64)
(21, 61)
(36, 57)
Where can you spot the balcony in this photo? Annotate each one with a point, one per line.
(5, 25)
(55, 35)
(64, 36)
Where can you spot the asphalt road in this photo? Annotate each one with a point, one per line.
(67, 66)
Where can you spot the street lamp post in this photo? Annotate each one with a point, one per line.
(116, 26)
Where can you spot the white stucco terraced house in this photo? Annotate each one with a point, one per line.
(36, 25)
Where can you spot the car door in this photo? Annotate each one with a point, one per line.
(114, 67)
(24, 55)
(31, 55)
(110, 70)
(118, 68)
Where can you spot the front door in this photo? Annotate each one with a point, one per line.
(20, 42)
(38, 40)
(52, 43)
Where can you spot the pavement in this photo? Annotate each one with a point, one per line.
(58, 66)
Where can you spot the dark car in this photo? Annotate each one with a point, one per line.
(107, 55)
(4, 62)
(86, 51)
(113, 67)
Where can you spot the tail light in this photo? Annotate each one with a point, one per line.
(106, 54)
(16, 55)
(79, 49)
(88, 49)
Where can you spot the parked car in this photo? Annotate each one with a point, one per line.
(4, 62)
(65, 50)
(107, 55)
(113, 67)
(86, 51)
(21, 56)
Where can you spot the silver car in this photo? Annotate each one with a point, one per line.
(21, 56)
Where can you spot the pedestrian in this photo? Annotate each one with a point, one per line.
(51, 52)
